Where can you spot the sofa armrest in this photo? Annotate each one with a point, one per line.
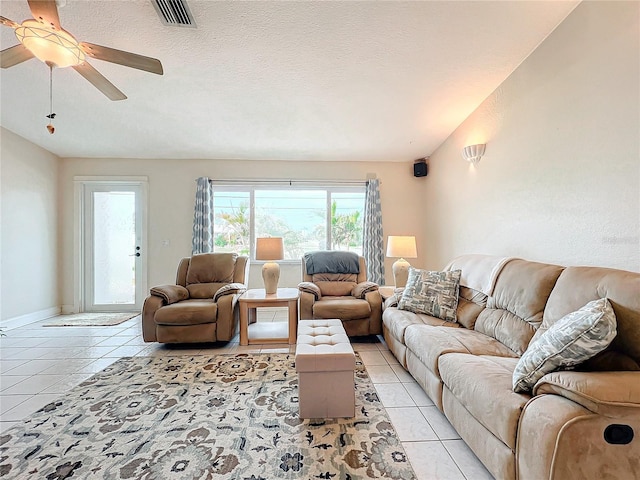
(361, 289)
(151, 305)
(393, 300)
(226, 317)
(229, 289)
(305, 305)
(170, 293)
(601, 392)
(311, 288)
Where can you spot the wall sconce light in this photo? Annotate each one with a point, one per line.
(473, 153)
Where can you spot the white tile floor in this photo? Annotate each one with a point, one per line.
(38, 364)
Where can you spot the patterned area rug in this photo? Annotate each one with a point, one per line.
(201, 417)
(89, 319)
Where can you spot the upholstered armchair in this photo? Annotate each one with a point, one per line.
(334, 285)
(201, 306)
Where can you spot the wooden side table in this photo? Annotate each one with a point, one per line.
(276, 332)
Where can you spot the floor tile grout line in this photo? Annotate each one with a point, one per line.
(454, 461)
(421, 441)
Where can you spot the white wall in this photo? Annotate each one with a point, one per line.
(171, 198)
(29, 226)
(560, 180)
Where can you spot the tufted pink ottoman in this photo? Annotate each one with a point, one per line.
(325, 363)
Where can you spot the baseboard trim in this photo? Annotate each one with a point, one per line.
(23, 320)
(69, 309)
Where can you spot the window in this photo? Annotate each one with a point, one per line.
(307, 218)
(231, 222)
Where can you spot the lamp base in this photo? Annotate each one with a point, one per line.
(270, 276)
(400, 272)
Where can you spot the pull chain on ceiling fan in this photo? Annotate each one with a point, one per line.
(43, 37)
(51, 115)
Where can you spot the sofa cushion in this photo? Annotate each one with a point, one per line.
(344, 308)
(430, 343)
(211, 268)
(335, 284)
(207, 272)
(609, 361)
(397, 321)
(433, 293)
(514, 310)
(579, 285)
(204, 290)
(334, 277)
(483, 385)
(187, 312)
(573, 339)
(470, 303)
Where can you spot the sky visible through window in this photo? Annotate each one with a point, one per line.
(300, 216)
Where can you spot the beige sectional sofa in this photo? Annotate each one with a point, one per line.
(579, 424)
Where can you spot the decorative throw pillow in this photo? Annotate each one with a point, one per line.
(433, 293)
(574, 338)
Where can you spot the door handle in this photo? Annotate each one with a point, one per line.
(137, 254)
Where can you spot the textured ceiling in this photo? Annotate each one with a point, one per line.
(371, 81)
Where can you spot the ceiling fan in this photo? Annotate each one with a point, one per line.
(43, 37)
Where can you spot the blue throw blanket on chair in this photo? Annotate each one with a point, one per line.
(332, 261)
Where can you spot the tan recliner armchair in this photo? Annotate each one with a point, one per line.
(347, 296)
(201, 307)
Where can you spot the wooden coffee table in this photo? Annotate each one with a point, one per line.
(275, 332)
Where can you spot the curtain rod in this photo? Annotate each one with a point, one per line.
(290, 182)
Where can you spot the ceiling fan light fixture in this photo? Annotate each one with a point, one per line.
(43, 38)
(57, 47)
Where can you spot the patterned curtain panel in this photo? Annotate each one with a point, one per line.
(202, 241)
(373, 243)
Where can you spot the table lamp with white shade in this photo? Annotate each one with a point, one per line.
(401, 247)
(270, 249)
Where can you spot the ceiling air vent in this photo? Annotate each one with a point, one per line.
(174, 12)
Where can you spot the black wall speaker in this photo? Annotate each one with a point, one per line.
(420, 169)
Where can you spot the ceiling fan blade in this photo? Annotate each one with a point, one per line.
(120, 57)
(99, 81)
(8, 23)
(45, 11)
(14, 55)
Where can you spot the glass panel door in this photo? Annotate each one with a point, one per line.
(113, 247)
